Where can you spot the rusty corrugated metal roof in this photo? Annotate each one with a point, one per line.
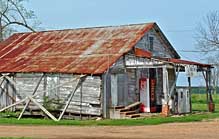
(142, 53)
(82, 51)
(186, 62)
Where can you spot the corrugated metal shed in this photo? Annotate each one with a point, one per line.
(82, 51)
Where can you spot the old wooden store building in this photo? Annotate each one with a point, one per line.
(109, 72)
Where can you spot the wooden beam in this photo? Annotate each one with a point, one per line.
(2, 77)
(13, 83)
(207, 87)
(211, 105)
(165, 106)
(81, 101)
(173, 85)
(42, 108)
(34, 91)
(210, 86)
(70, 98)
(14, 104)
(165, 84)
(190, 94)
(106, 83)
(3, 89)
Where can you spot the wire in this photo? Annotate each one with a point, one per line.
(195, 51)
(180, 31)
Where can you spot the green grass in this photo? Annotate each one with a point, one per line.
(124, 122)
(198, 104)
(201, 98)
(14, 138)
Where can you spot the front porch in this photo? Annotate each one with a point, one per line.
(150, 85)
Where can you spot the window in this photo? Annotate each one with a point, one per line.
(151, 43)
(181, 95)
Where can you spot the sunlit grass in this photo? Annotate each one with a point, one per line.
(198, 105)
(124, 122)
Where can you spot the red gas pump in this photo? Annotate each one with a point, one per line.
(152, 95)
(147, 95)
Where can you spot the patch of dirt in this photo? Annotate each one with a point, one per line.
(199, 130)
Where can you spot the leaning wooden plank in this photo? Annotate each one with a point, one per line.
(42, 108)
(117, 107)
(70, 98)
(14, 83)
(12, 105)
(173, 86)
(2, 77)
(3, 90)
(132, 105)
(28, 102)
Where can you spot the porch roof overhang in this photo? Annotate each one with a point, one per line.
(143, 54)
(186, 62)
(141, 61)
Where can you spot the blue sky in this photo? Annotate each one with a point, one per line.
(177, 18)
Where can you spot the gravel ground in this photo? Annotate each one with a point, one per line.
(195, 130)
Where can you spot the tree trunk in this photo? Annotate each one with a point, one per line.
(1, 32)
(1, 35)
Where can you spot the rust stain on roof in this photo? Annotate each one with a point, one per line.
(82, 51)
(142, 53)
(186, 62)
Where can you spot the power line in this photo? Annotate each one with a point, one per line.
(179, 31)
(199, 51)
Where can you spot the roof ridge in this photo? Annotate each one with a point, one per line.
(94, 27)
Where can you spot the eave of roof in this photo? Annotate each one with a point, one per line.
(185, 62)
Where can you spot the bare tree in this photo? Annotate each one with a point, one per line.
(207, 38)
(13, 14)
(215, 71)
(208, 32)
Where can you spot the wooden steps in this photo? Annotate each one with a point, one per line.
(118, 107)
(136, 104)
(130, 111)
(134, 115)
(133, 106)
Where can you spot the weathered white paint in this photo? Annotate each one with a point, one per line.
(159, 49)
(91, 90)
(114, 90)
(131, 60)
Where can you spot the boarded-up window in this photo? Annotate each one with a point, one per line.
(151, 43)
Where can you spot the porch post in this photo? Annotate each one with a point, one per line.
(211, 106)
(190, 94)
(165, 106)
(106, 82)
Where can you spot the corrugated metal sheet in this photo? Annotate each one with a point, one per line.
(186, 62)
(142, 53)
(87, 51)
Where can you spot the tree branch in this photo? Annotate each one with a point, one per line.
(3, 15)
(18, 10)
(20, 24)
(6, 9)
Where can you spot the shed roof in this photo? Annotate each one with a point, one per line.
(186, 62)
(81, 51)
